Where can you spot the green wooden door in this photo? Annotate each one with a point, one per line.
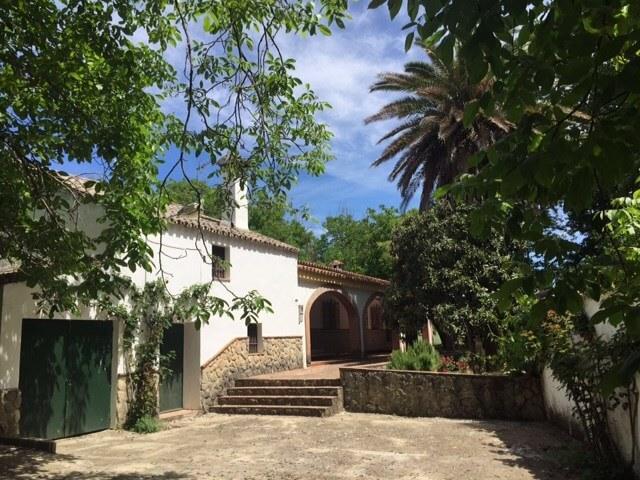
(171, 384)
(89, 373)
(43, 378)
(65, 377)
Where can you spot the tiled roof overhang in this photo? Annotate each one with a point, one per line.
(220, 227)
(322, 273)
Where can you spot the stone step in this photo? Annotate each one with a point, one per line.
(303, 411)
(288, 382)
(284, 391)
(286, 400)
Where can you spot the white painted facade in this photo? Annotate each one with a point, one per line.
(271, 269)
(560, 407)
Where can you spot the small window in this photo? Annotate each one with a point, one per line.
(220, 262)
(330, 314)
(254, 334)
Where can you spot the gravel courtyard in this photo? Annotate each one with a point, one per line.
(346, 446)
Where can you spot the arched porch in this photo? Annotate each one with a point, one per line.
(332, 325)
(378, 336)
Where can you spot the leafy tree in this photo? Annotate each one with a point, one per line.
(75, 88)
(565, 74)
(273, 217)
(187, 192)
(443, 273)
(363, 245)
(436, 138)
(277, 219)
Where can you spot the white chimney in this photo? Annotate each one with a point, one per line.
(240, 212)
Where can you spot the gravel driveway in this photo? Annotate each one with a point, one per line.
(345, 446)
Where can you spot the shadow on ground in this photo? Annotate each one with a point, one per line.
(543, 450)
(23, 463)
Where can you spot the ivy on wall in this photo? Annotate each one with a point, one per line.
(146, 315)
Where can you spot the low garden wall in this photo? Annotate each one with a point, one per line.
(433, 394)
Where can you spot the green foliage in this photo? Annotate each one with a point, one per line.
(278, 219)
(439, 127)
(147, 314)
(443, 273)
(581, 360)
(193, 191)
(573, 146)
(419, 356)
(147, 424)
(363, 245)
(75, 88)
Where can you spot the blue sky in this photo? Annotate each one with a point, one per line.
(340, 68)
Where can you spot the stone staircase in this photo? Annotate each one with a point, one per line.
(303, 397)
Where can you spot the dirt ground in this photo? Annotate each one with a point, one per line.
(343, 447)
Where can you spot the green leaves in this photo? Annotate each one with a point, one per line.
(470, 112)
(394, 7)
(443, 273)
(408, 41)
(376, 3)
(76, 89)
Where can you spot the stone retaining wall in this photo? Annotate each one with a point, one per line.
(9, 412)
(451, 395)
(235, 361)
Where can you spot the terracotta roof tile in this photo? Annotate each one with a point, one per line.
(315, 271)
(220, 227)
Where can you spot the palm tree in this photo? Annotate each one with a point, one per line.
(432, 142)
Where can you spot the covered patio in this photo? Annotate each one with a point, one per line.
(343, 313)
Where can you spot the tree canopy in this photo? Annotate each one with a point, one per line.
(76, 87)
(434, 140)
(364, 245)
(444, 274)
(565, 74)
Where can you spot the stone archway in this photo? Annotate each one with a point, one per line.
(332, 325)
(378, 337)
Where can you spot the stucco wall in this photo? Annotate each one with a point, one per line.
(270, 271)
(428, 394)
(9, 412)
(235, 361)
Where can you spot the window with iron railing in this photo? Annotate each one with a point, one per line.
(220, 262)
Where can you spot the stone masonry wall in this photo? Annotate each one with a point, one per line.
(9, 412)
(451, 395)
(235, 361)
(122, 400)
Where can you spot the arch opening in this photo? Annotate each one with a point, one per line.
(378, 335)
(333, 326)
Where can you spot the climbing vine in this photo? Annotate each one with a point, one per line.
(145, 315)
(581, 361)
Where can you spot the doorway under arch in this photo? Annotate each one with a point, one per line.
(378, 335)
(333, 329)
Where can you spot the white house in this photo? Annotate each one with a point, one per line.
(67, 376)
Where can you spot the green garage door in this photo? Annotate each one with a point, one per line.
(65, 377)
(172, 348)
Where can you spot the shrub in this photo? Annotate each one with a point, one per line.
(419, 356)
(450, 364)
(147, 424)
